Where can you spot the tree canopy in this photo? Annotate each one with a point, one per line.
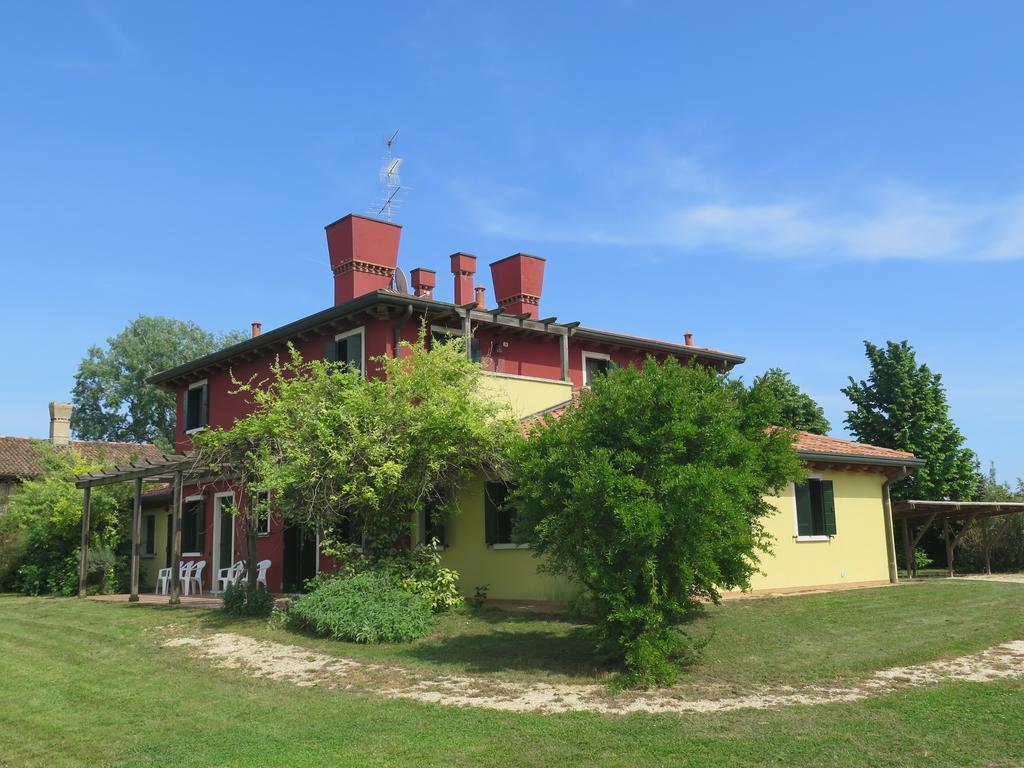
(111, 397)
(650, 494)
(798, 410)
(357, 456)
(903, 405)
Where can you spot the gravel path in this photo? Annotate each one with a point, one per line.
(297, 665)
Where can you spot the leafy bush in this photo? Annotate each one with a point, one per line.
(921, 559)
(365, 608)
(650, 494)
(240, 600)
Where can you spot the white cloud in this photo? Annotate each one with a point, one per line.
(677, 203)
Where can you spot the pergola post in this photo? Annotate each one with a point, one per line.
(136, 540)
(986, 547)
(908, 548)
(949, 546)
(83, 566)
(176, 542)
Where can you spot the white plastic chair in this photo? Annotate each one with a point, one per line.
(261, 573)
(163, 581)
(230, 575)
(196, 577)
(186, 576)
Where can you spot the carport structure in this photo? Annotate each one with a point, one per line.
(915, 517)
(177, 470)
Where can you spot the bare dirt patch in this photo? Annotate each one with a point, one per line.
(297, 665)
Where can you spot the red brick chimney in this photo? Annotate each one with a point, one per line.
(518, 281)
(481, 297)
(423, 282)
(257, 328)
(364, 254)
(463, 267)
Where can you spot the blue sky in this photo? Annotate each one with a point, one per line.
(785, 180)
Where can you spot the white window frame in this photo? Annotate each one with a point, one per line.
(421, 526)
(592, 356)
(361, 330)
(796, 517)
(185, 501)
(260, 532)
(218, 532)
(184, 405)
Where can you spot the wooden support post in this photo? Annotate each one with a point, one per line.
(136, 541)
(949, 546)
(83, 565)
(467, 333)
(176, 543)
(986, 546)
(908, 549)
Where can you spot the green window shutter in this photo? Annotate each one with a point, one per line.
(200, 526)
(828, 507)
(492, 500)
(187, 411)
(474, 350)
(354, 351)
(331, 351)
(204, 405)
(804, 526)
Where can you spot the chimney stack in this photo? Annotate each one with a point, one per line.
(463, 267)
(257, 328)
(688, 338)
(423, 282)
(481, 297)
(518, 281)
(364, 254)
(60, 424)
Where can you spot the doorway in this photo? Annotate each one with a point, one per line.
(223, 533)
(301, 545)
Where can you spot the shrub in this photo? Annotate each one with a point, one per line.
(650, 494)
(365, 608)
(240, 600)
(921, 559)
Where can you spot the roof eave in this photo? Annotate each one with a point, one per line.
(853, 458)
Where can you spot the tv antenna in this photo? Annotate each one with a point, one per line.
(389, 178)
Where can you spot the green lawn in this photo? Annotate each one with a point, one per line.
(84, 683)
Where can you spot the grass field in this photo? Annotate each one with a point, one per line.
(84, 683)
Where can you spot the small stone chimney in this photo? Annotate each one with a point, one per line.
(518, 280)
(463, 267)
(481, 297)
(423, 282)
(364, 254)
(60, 424)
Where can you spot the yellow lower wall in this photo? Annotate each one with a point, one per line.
(855, 554)
(509, 574)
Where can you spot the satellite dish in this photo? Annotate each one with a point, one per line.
(401, 283)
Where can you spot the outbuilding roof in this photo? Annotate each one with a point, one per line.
(20, 457)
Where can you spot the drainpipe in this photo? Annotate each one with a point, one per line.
(398, 330)
(890, 539)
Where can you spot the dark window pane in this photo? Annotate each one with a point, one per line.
(595, 367)
(149, 535)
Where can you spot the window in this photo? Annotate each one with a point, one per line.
(441, 333)
(193, 527)
(197, 406)
(595, 363)
(815, 509)
(499, 516)
(261, 501)
(351, 532)
(431, 526)
(347, 348)
(148, 535)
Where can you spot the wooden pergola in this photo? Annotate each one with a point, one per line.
(175, 469)
(916, 517)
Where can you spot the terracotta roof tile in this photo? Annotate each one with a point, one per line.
(805, 442)
(19, 456)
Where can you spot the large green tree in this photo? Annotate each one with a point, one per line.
(798, 410)
(343, 453)
(111, 397)
(651, 494)
(903, 405)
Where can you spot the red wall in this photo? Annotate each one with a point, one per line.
(523, 355)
